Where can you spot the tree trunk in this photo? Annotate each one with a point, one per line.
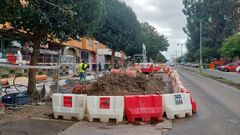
(32, 72)
(112, 58)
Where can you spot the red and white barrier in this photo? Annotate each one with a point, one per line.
(146, 107)
(143, 107)
(69, 105)
(105, 108)
(178, 104)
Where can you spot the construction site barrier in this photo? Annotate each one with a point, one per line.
(170, 73)
(175, 74)
(194, 105)
(4, 82)
(69, 106)
(130, 73)
(41, 77)
(177, 104)
(183, 89)
(193, 102)
(116, 71)
(105, 108)
(143, 108)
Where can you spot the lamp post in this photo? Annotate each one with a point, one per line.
(201, 20)
(181, 45)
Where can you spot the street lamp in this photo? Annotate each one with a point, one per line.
(201, 20)
(181, 45)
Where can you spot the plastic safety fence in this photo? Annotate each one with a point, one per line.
(105, 108)
(177, 104)
(143, 107)
(69, 106)
(193, 102)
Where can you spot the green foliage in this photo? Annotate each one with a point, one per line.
(153, 41)
(50, 19)
(224, 23)
(207, 54)
(160, 58)
(120, 27)
(41, 21)
(231, 46)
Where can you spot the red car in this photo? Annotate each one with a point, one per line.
(146, 67)
(231, 67)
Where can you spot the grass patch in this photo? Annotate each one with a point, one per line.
(219, 79)
(223, 80)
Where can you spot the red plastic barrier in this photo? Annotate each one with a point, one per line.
(156, 68)
(11, 58)
(116, 71)
(169, 73)
(143, 107)
(184, 90)
(194, 105)
(193, 102)
(130, 73)
(168, 69)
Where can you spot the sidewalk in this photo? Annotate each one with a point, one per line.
(96, 128)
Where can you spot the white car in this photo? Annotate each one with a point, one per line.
(238, 69)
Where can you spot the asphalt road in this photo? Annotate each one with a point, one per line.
(218, 108)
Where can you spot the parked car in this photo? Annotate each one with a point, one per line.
(195, 65)
(230, 67)
(171, 64)
(219, 67)
(238, 69)
(188, 64)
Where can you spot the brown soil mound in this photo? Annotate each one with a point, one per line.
(119, 85)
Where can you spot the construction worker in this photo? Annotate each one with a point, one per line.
(82, 69)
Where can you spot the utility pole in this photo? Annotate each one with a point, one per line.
(181, 45)
(200, 65)
(200, 20)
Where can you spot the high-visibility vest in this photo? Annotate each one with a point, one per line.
(82, 67)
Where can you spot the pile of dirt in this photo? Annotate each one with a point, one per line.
(120, 85)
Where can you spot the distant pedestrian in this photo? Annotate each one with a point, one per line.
(99, 67)
(19, 56)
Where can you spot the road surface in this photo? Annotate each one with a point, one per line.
(218, 108)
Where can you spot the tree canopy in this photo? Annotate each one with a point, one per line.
(153, 40)
(231, 47)
(120, 27)
(49, 19)
(224, 23)
(41, 21)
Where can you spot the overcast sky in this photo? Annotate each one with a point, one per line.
(166, 16)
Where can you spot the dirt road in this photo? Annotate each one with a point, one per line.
(218, 108)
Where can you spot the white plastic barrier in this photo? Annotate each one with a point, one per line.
(175, 74)
(69, 105)
(105, 108)
(177, 89)
(176, 83)
(178, 104)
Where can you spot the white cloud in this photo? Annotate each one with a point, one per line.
(166, 16)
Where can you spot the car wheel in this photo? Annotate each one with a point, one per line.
(226, 70)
